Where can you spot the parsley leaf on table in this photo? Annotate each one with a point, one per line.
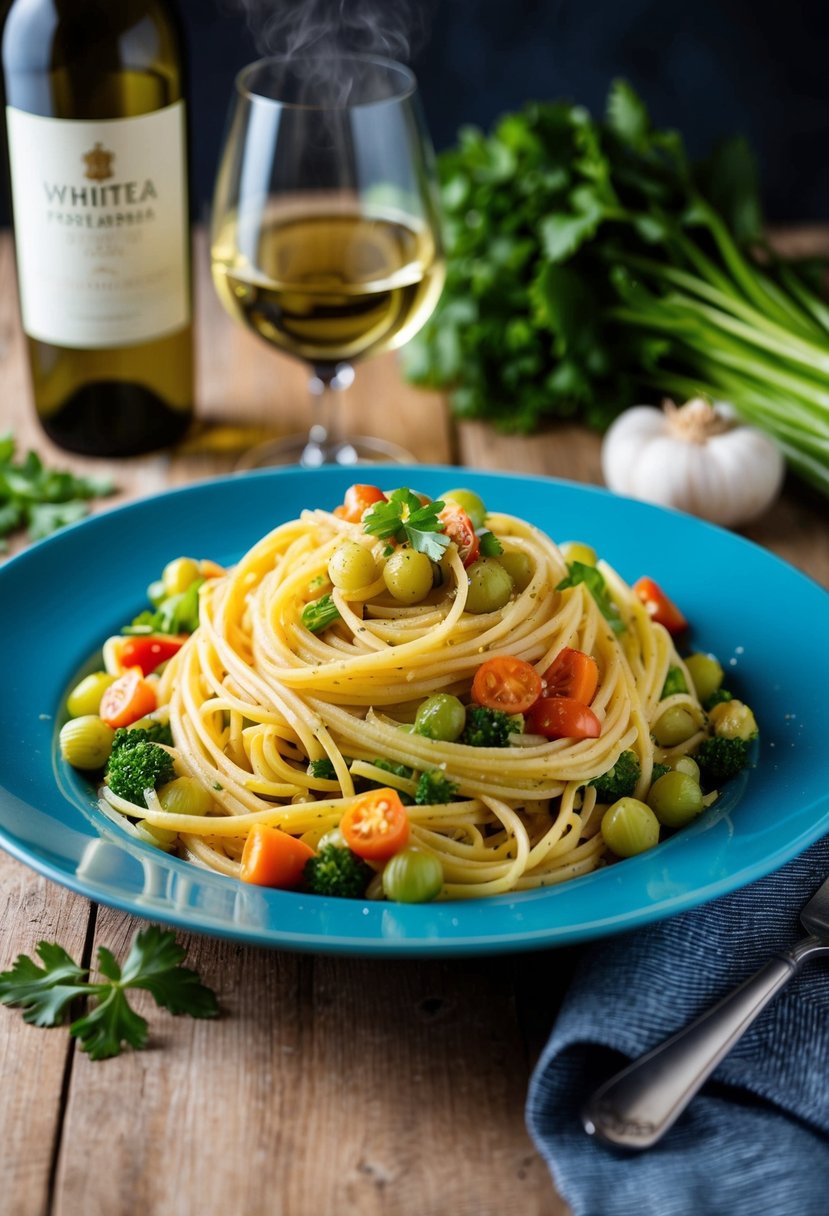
(153, 963)
(404, 518)
(40, 499)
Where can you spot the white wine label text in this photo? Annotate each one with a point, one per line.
(101, 230)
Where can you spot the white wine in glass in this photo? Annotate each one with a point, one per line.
(325, 233)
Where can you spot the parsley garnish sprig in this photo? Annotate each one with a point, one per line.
(46, 994)
(405, 519)
(595, 584)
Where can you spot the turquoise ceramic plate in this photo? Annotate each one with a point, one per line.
(766, 622)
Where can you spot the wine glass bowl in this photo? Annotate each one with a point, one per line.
(325, 232)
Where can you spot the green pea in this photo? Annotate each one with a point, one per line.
(470, 502)
(412, 877)
(185, 796)
(352, 566)
(674, 726)
(333, 836)
(706, 673)
(629, 827)
(490, 586)
(440, 716)
(687, 764)
(408, 575)
(86, 742)
(675, 799)
(85, 697)
(179, 574)
(519, 567)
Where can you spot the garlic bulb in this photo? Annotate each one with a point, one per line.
(697, 458)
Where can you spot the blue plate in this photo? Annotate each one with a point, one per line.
(765, 621)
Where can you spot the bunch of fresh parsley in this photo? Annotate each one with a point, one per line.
(39, 499)
(590, 264)
(47, 994)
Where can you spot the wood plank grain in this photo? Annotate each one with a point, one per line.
(33, 1062)
(328, 1085)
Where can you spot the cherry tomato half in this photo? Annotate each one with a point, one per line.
(358, 499)
(149, 651)
(127, 699)
(572, 673)
(376, 825)
(658, 607)
(507, 683)
(562, 718)
(459, 527)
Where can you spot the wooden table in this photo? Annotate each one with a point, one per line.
(329, 1085)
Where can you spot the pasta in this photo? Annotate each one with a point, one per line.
(284, 726)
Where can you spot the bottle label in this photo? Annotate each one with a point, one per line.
(101, 231)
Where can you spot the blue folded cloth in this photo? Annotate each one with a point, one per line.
(755, 1140)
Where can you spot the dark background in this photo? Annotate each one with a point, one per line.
(710, 68)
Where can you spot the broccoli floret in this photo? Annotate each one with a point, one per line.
(720, 759)
(487, 727)
(434, 787)
(717, 696)
(659, 770)
(138, 766)
(391, 766)
(619, 781)
(323, 769)
(153, 732)
(335, 870)
(674, 683)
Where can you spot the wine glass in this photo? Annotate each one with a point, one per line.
(325, 233)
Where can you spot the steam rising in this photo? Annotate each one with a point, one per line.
(394, 28)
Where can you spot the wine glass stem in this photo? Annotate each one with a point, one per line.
(326, 444)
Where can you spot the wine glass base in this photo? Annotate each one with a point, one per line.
(311, 453)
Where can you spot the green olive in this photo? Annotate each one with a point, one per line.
(185, 796)
(86, 742)
(408, 575)
(675, 799)
(85, 697)
(674, 726)
(577, 551)
(179, 574)
(733, 720)
(686, 764)
(352, 566)
(629, 827)
(706, 673)
(440, 716)
(490, 586)
(412, 877)
(519, 567)
(470, 502)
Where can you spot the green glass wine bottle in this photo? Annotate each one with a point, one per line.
(94, 96)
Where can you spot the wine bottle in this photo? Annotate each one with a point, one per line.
(97, 143)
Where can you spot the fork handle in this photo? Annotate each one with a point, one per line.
(636, 1107)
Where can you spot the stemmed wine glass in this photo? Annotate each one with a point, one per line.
(325, 233)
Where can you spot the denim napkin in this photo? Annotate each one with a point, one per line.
(755, 1140)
